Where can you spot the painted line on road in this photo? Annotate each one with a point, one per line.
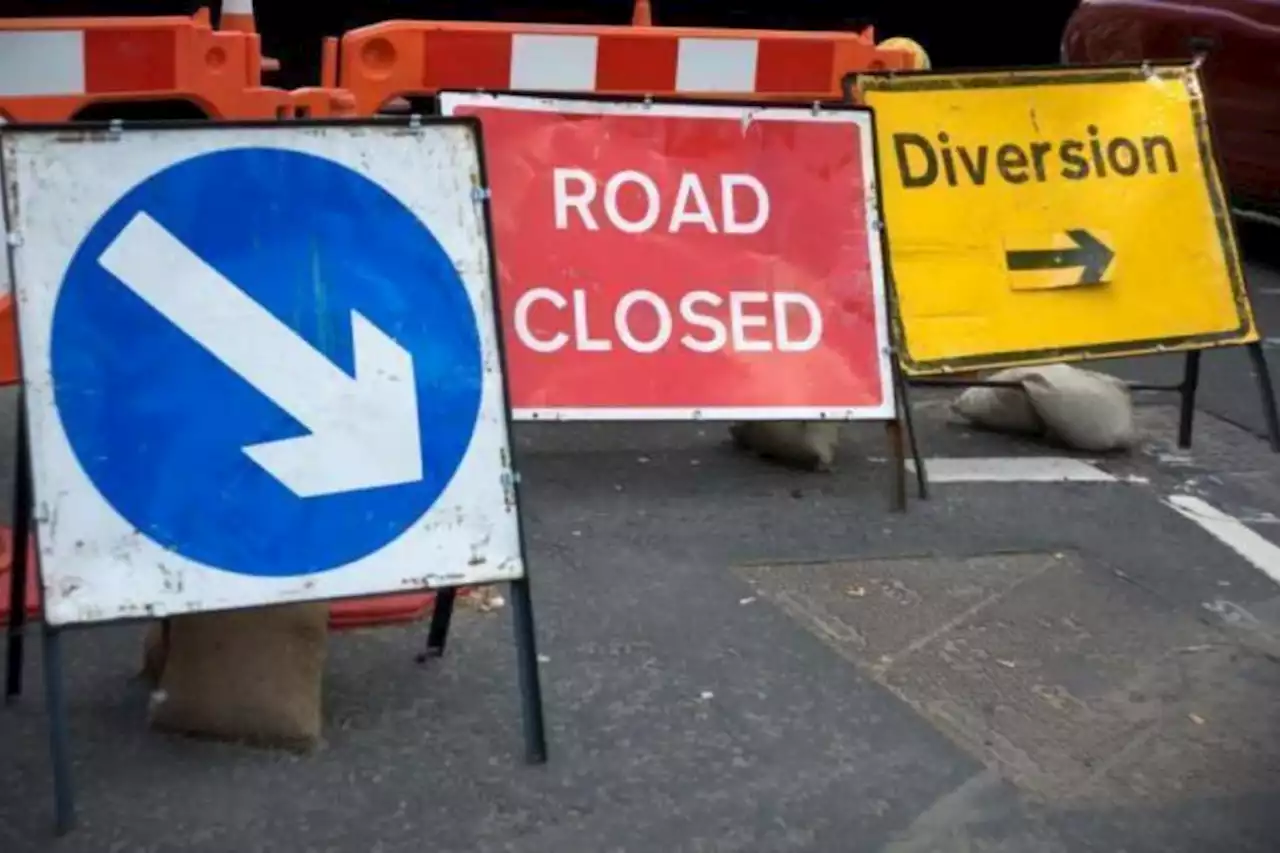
(1235, 533)
(1013, 469)
(1230, 531)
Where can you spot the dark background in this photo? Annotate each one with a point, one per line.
(954, 34)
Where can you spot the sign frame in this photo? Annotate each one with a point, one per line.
(1245, 332)
(26, 526)
(883, 298)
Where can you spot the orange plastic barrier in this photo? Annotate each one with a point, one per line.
(33, 578)
(51, 69)
(326, 100)
(8, 336)
(395, 59)
(381, 610)
(319, 102)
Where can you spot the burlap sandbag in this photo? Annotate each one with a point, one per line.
(252, 675)
(1083, 409)
(1001, 409)
(803, 444)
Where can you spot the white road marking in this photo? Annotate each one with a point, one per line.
(944, 824)
(1230, 531)
(1014, 469)
(1233, 532)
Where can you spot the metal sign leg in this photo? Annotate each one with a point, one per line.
(535, 735)
(908, 420)
(893, 429)
(17, 623)
(441, 617)
(1187, 391)
(1267, 391)
(18, 567)
(55, 700)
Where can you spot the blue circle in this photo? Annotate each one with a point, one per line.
(158, 423)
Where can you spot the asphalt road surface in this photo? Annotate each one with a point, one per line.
(739, 657)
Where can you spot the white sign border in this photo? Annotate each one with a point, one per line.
(861, 117)
(96, 567)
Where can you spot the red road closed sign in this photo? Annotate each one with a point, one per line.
(680, 261)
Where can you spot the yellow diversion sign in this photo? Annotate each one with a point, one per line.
(1054, 215)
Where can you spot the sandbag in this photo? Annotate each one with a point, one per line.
(1004, 409)
(803, 444)
(1083, 409)
(252, 676)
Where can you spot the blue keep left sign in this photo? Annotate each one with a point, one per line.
(265, 362)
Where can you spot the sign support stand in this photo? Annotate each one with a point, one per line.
(535, 736)
(18, 567)
(56, 708)
(899, 489)
(51, 637)
(441, 618)
(1262, 373)
(1187, 391)
(1190, 385)
(903, 417)
(907, 420)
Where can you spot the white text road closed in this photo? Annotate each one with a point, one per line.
(678, 260)
(261, 366)
(702, 321)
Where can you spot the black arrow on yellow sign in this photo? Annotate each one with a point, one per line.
(1089, 254)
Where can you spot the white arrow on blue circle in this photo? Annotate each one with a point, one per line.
(363, 431)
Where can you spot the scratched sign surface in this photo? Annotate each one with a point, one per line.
(1054, 215)
(261, 365)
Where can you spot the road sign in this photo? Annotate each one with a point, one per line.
(1054, 215)
(261, 365)
(673, 261)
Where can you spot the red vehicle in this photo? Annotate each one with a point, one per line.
(1239, 41)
